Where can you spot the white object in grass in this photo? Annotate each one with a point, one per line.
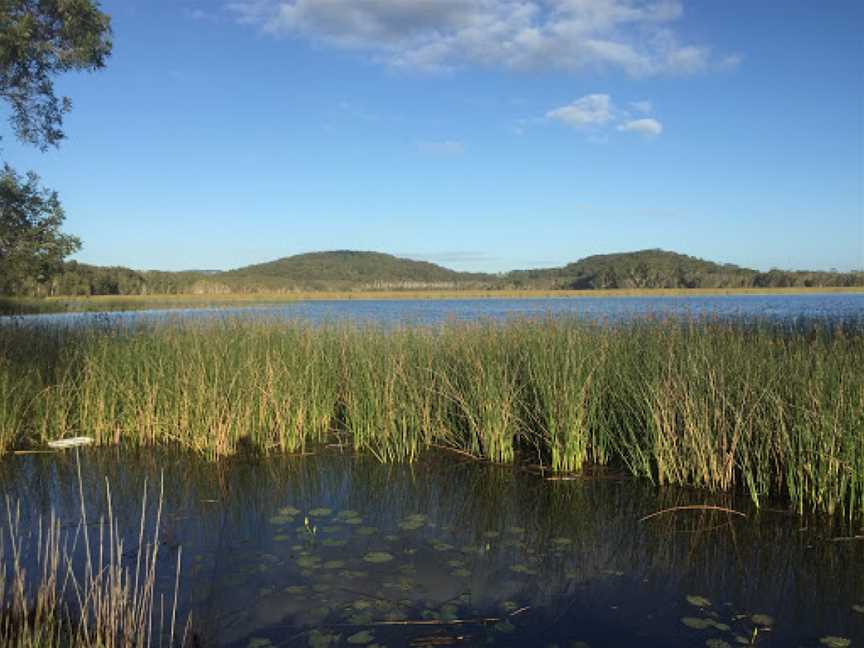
(74, 442)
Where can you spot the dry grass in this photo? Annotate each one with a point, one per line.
(77, 587)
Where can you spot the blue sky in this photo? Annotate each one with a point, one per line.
(479, 134)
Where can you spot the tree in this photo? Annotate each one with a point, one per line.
(31, 245)
(38, 40)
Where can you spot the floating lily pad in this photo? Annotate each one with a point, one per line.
(353, 521)
(361, 638)
(523, 569)
(347, 513)
(378, 557)
(698, 601)
(367, 531)
(279, 520)
(835, 642)
(437, 545)
(308, 562)
(295, 590)
(762, 619)
(717, 643)
(491, 535)
(561, 541)
(461, 573)
(858, 608)
(259, 642)
(413, 522)
(697, 623)
(320, 512)
(334, 564)
(318, 639)
(289, 511)
(333, 542)
(281, 537)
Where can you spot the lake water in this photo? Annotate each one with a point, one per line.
(292, 551)
(786, 308)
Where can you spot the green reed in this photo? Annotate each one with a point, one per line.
(751, 406)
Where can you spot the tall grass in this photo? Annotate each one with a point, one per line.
(84, 586)
(757, 407)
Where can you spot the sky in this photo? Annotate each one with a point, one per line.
(482, 135)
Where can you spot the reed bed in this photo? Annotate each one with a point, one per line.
(83, 585)
(765, 409)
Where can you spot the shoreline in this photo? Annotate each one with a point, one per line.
(98, 303)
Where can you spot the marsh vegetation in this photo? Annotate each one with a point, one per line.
(770, 410)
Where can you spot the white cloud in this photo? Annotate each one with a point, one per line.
(590, 110)
(635, 36)
(597, 114)
(647, 127)
(644, 106)
(444, 148)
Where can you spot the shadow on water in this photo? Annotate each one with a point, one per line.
(302, 551)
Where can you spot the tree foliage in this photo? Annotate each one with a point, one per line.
(31, 246)
(39, 39)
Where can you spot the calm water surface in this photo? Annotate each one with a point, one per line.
(292, 551)
(787, 308)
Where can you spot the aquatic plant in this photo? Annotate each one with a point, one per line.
(84, 586)
(767, 409)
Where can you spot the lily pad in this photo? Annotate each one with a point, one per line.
(308, 562)
(367, 531)
(279, 520)
(858, 608)
(361, 638)
(378, 557)
(289, 511)
(697, 623)
(561, 541)
(835, 642)
(320, 512)
(523, 569)
(259, 642)
(762, 620)
(717, 643)
(698, 601)
(413, 522)
(318, 639)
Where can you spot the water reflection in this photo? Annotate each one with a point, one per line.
(787, 308)
(343, 546)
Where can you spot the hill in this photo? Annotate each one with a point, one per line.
(656, 268)
(349, 270)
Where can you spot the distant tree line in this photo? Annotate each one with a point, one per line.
(352, 271)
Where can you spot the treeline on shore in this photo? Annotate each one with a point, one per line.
(752, 407)
(371, 271)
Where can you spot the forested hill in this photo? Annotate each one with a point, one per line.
(346, 270)
(662, 269)
(337, 270)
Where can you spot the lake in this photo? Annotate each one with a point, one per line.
(788, 308)
(334, 549)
